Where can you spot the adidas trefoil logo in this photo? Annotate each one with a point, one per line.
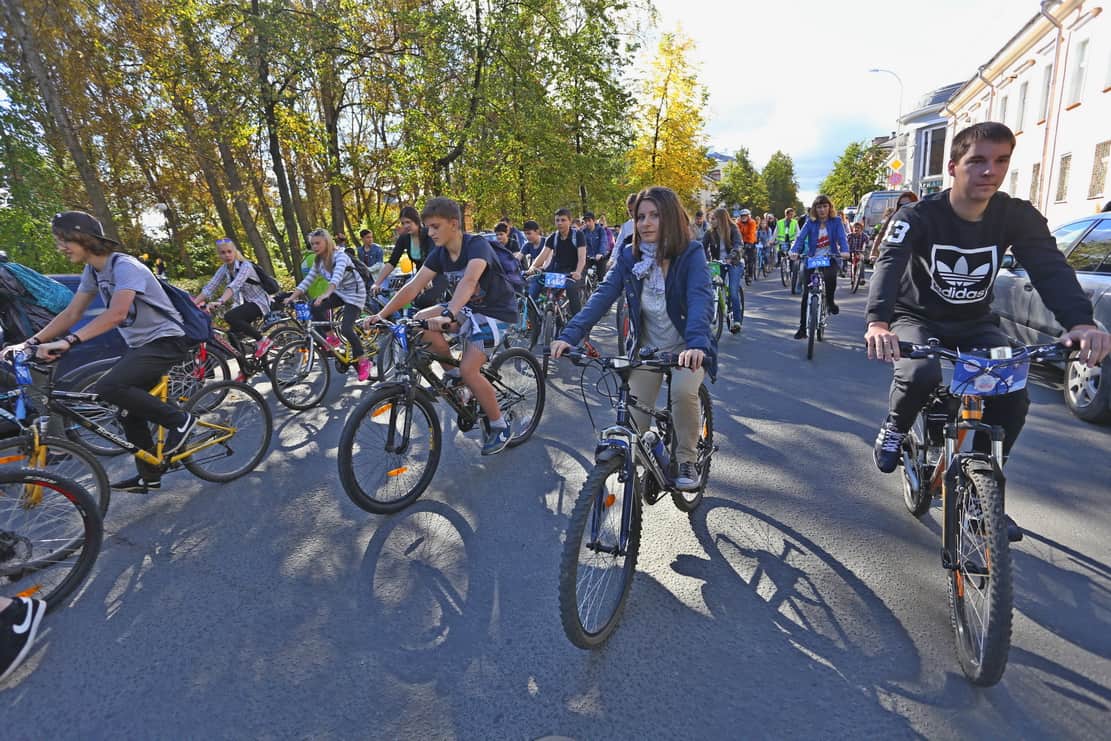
(959, 275)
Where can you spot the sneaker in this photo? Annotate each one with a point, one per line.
(19, 623)
(1014, 532)
(333, 341)
(263, 347)
(734, 328)
(176, 436)
(137, 485)
(363, 368)
(834, 309)
(800, 334)
(688, 478)
(888, 450)
(496, 440)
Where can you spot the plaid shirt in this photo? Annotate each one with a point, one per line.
(857, 242)
(242, 281)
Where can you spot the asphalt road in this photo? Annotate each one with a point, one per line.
(800, 600)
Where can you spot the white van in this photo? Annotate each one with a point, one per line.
(874, 205)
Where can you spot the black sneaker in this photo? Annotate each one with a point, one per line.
(176, 436)
(888, 450)
(801, 333)
(1014, 532)
(19, 623)
(834, 309)
(137, 485)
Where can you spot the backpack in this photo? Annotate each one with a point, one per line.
(41, 291)
(196, 323)
(265, 281)
(509, 265)
(361, 268)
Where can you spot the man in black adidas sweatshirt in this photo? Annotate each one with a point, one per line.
(934, 278)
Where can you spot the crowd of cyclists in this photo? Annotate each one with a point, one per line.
(460, 286)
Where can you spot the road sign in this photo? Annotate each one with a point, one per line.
(897, 164)
(896, 178)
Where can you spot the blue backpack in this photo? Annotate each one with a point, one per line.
(196, 323)
(41, 291)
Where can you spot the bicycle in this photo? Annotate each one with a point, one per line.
(785, 268)
(817, 314)
(975, 540)
(723, 312)
(760, 270)
(51, 532)
(390, 444)
(630, 465)
(796, 277)
(300, 371)
(554, 304)
(224, 410)
(856, 272)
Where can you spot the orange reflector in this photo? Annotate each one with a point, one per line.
(30, 591)
(397, 471)
(987, 557)
(960, 584)
(11, 459)
(384, 409)
(610, 500)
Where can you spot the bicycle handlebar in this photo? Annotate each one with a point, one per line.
(1051, 352)
(650, 358)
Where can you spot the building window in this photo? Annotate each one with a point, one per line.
(1076, 75)
(935, 152)
(1063, 178)
(1003, 109)
(1020, 113)
(1035, 176)
(1014, 183)
(1047, 83)
(1099, 169)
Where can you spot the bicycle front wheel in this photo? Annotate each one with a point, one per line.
(519, 387)
(623, 325)
(547, 334)
(980, 588)
(858, 276)
(50, 535)
(813, 314)
(389, 450)
(595, 573)
(61, 458)
(916, 489)
(783, 272)
(230, 438)
(718, 319)
(300, 374)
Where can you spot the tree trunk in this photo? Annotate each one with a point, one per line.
(15, 13)
(242, 208)
(268, 216)
(205, 160)
(330, 107)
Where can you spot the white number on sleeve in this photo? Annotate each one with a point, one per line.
(896, 232)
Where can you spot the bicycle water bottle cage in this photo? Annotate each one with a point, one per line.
(813, 263)
(555, 280)
(302, 311)
(976, 375)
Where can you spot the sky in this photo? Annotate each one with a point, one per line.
(793, 74)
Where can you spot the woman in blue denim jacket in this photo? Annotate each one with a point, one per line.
(666, 283)
(822, 235)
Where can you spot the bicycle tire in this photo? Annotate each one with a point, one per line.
(308, 370)
(506, 393)
(240, 407)
(688, 501)
(101, 412)
(812, 313)
(981, 491)
(594, 490)
(741, 302)
(858, 275)
(83, 536)
(622, 322)
(547, 333)
(783, 272)
(916, 497)
(187, 378)
(368, 415)
(717, 321)
(794, 278)
(65, 459)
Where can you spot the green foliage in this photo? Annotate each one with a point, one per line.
(741, 185)
(779, 177)
(857, 171)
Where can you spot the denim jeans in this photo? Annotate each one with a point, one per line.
(734, 275)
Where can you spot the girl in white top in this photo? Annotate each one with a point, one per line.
(346, 289)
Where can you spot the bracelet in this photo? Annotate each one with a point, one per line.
(72, 339)
(32, 342)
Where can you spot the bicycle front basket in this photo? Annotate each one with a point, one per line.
(555, 280)
(979, 376)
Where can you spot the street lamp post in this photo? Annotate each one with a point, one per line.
(900, 146)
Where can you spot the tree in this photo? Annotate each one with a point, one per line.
(857, 171)
(741, 185)
(779, 177)
(670, 148)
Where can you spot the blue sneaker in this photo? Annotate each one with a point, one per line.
(496, 440)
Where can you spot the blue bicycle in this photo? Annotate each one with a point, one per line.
(630, 465)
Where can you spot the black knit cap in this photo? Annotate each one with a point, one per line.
(79, 221)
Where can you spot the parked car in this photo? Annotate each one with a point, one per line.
(873, 206)
(1086, 243)
(108, 345)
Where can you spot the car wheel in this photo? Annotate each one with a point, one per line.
(1088, 391)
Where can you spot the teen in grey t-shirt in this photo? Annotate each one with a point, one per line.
(152, 316)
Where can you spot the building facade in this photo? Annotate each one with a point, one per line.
(1051, 84)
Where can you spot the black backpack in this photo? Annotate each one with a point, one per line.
(509, 265)
(265, 281)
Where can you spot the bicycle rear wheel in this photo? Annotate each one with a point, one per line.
(380, 470)
(594, 579)
(980, 588)
(519, 387)
(741, 304)
(61, 458)
(205, 364)
(230, 438)
(50, 535)
(858, 275)
(813, 312)
(300, 374)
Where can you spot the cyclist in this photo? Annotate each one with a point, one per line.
(934, 278)
(857, 242)
(412, 240)
(345, 290)
(666, 284)
(823, 234)
(533, 244)
(370, 252)
(747, 226)
(147, 321)
(700, 226)
(723, 242)
(241, 287)
(482, 307)
(786, 230)
(564, 252)
(597, 243)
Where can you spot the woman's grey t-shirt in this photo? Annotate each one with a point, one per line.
(659, 331)
(144, 322)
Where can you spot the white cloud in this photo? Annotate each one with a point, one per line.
(793, 74)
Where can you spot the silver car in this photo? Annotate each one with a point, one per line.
(1086, 243)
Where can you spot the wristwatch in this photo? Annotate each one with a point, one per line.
(446, 313)
(72, 339)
